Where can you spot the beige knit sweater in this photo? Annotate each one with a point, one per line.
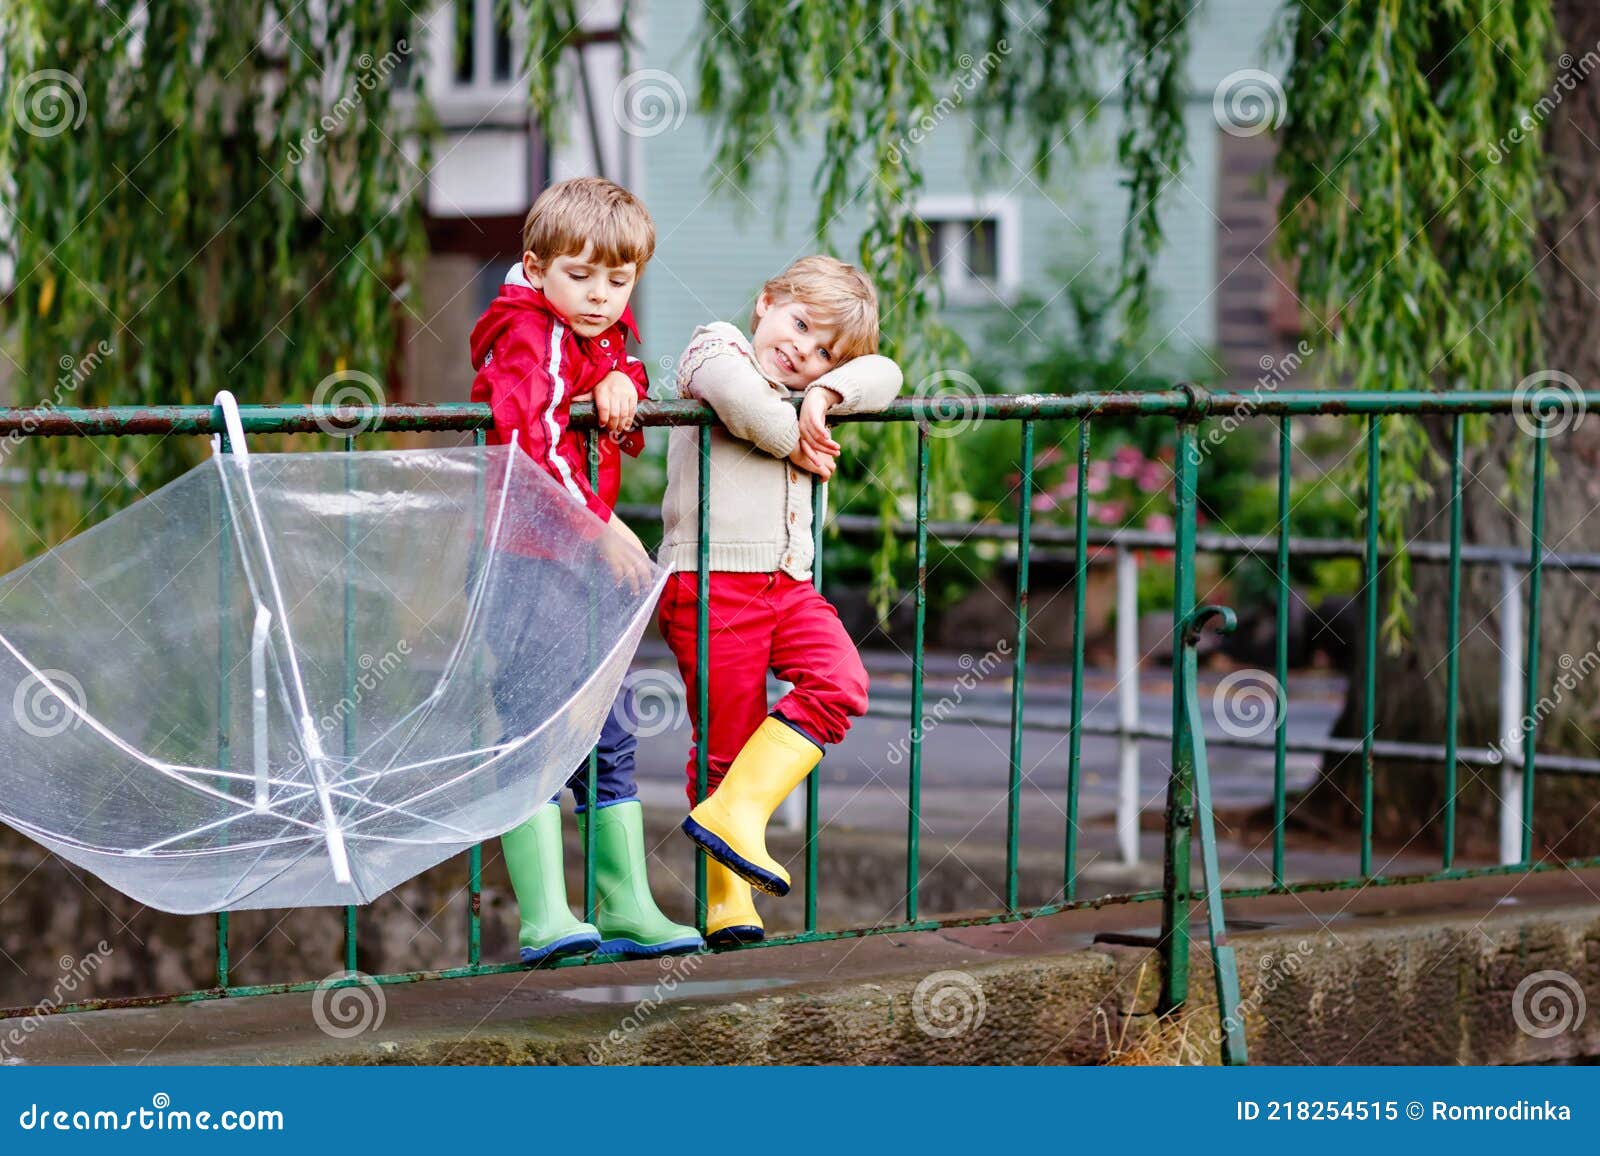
(760, 502)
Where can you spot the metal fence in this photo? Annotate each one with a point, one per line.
(1188, 811)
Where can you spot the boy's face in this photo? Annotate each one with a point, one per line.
(589, 295)
(790, 344)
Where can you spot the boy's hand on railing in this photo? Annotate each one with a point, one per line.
(615, 400)
(814, 421)
(817, 449)
(626, 555)
(812, 462)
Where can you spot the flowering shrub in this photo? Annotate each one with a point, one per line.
(1125, 488)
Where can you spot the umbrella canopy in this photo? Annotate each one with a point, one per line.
(300, 679)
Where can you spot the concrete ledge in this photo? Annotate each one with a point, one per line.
(1420, 974)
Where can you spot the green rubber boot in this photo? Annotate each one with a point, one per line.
(533, 860)
(630, 922)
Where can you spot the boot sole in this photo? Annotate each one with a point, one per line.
(571, 945)
(712, 844)
(633, 949)
(735, 936)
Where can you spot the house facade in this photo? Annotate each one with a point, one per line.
(996, 239)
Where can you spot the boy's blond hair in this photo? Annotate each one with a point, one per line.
(589, 211)
(841, 296)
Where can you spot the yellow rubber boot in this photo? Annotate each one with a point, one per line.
(730, 909)
(732, 824)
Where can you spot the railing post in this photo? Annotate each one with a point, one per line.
(1127, 704)
(914, 763)
(1280, 729)
(1224, 961)
(591, 774)
(819, 513)
(349, 731)
(1371, 571)
(1080, 580)
(224, 668)
(1530, 714)
(702, 654)
(1180, 783)
(475, 856)
(1510, 715)
(1019, 668)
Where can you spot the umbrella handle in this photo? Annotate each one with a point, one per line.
(225, 401)
(337, 854)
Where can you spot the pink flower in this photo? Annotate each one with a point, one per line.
(1044, 502)
(1153, 477)
(1126, 461)
(1158, 523)
(1099, 477)
(1108, 512)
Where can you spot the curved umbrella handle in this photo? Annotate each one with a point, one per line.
(229, 405)
(331, 832)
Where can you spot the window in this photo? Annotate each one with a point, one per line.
(466, 47)
(483, 45)
(501, 73)
(973, 245)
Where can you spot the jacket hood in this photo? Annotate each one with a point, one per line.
(517, 296)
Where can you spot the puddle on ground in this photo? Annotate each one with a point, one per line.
(635, 992)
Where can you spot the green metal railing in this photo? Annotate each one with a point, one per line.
(1188, 804)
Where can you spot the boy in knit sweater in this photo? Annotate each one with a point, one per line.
(814, 334)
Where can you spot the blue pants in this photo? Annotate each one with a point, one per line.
(538, 595)
(614, 779)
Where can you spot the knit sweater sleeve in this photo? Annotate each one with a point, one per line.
(716, 369)
(864, 385)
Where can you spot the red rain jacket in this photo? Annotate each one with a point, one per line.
(531, 366)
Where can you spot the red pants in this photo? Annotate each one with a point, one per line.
(762, 622)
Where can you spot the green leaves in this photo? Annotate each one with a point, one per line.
(217, 192)
(1409, 212)
(878, 78)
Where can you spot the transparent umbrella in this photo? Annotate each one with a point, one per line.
(302, 678)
